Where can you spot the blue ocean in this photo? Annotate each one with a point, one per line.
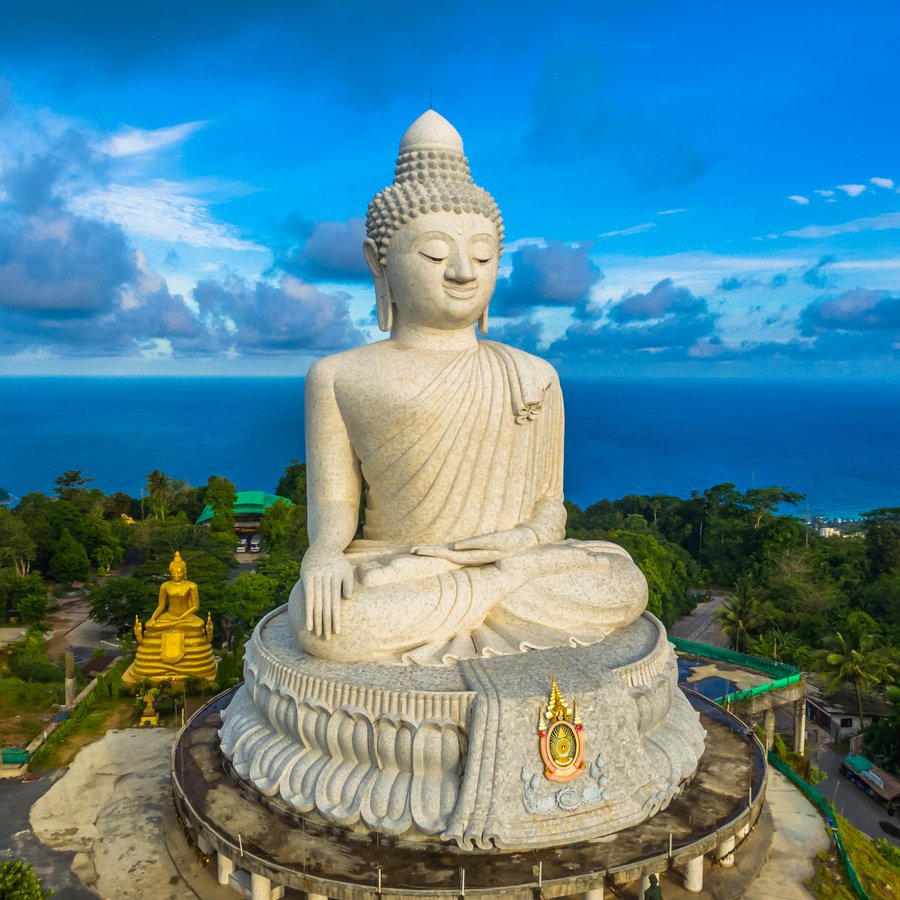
(835, 441)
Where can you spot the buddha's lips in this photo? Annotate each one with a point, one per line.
(461, 293)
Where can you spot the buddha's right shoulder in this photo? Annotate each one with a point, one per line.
(332, 369)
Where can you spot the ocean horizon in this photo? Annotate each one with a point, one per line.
(830, 439)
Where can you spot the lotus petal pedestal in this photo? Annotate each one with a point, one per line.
(452, 753)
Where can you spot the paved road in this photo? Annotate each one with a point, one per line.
(703, 624)
(858, 808)
(17, 841)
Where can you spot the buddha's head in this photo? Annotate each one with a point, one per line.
(177, 568)
(434, 237)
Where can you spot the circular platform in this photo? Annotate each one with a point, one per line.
(460, 753)
(227, 815)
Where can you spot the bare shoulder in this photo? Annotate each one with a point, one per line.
(331, 371)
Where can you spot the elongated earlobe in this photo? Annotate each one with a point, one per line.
(384, 307)
(483, 322)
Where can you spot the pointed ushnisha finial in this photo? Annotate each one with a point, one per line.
(431, 175)
(431, 131)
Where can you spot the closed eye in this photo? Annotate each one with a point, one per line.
(434, 259)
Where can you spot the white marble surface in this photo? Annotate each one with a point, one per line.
(452, 753)
(459, 443)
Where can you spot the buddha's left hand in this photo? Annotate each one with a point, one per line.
(484, 548)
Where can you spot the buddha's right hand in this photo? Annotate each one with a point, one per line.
(327, 578)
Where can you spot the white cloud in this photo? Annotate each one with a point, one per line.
(824, 193)
(882, 182)
(699, 271)
(852, 190)
(869, 223)
(161, 210)
(155, 348)
(671, 212)
(797, 198)
(132, 141)
(635, 229)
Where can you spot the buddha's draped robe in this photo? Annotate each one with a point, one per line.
(478, 451)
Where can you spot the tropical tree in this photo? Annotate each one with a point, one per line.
(163, 491)
(782, 646)
(70, 560)
(221, 495)
(121, 599)
(16, 546)
(883, 539)
(24, 593)
(18, 882)
(883, 737)
(70, 484)
(743, 615)
(855, 657)
(764, 501)
(245, 601)
(284, 529)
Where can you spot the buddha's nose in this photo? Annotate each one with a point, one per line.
(459, 267)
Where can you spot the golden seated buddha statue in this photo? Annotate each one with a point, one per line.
(175, 643)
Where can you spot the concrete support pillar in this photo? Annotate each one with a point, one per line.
(725, 852)
(693, 875)
(593, 894)
(224, 868)
(316, 897)
(260, 887)
(800, 725)
(70, 679)
(770, 728)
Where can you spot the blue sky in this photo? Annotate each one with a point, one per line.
(688, 188)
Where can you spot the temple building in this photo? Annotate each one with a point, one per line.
(248, 509)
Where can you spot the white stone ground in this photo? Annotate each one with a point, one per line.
(799, 835)
(109, 809)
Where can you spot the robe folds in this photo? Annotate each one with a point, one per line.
(479, 450)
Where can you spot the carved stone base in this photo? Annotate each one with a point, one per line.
(452, 754)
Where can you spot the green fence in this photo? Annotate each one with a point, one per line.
(783, 674)
(825, 807)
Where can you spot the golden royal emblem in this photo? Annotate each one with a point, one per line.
(562, 738)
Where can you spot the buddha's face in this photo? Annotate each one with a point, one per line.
(178, 573)
(441, 269)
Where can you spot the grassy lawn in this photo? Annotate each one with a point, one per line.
(24, 708)
(879, 877)
(106, 715)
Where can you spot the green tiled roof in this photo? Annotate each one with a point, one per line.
(248, 503)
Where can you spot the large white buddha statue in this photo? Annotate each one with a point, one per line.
(457, 444)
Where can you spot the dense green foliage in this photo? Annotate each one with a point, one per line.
(24, 596)
(829, 603)
(883, 737)
(18, 882)
(28, 661)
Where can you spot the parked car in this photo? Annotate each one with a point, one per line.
(242, 545)
(256, 543)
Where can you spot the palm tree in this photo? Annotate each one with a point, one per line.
(782, 646)
(743, 615)
(855, 658)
